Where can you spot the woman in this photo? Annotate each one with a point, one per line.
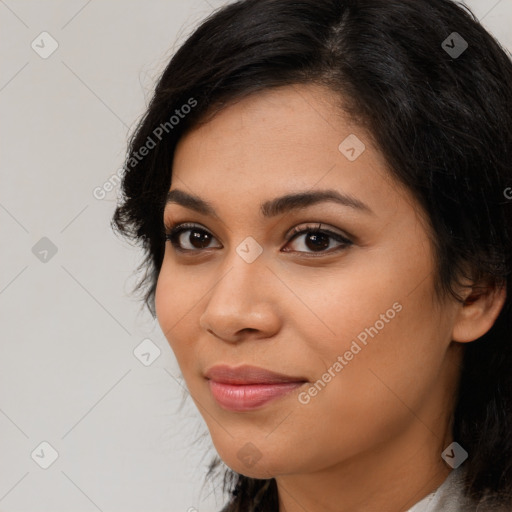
(320, 189)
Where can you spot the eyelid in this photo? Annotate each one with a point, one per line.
(317, 227)
(174, 229)
(343, 241)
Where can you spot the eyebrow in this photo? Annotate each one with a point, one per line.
(274, 207)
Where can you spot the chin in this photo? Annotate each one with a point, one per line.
(250, 461)
(256, 471)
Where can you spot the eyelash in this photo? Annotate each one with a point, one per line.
(173, 233)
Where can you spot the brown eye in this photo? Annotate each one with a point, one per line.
(315, 240)
(198, 239)
(185, 238)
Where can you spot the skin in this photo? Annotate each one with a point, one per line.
(371, 439)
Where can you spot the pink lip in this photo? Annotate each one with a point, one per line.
(241, 398)
(248, 387)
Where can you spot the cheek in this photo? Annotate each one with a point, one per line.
(383, 323)
(395, 344)
(375, 352)
(174, 304)
(164, 302)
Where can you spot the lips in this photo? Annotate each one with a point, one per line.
(248, 387)
(246, 375)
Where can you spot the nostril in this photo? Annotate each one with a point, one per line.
(246, 330)
(213, 334)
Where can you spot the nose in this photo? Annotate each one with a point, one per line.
(243, 303)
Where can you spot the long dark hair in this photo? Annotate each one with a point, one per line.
(441, 114)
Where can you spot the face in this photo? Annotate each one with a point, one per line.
(332, 288)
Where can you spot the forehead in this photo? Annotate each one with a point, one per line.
(283, 140)
(298, 125)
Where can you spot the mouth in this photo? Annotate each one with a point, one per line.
(246, 388)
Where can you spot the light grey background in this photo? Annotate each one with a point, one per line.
(68, 372)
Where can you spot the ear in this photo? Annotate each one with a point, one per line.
(478, 312)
